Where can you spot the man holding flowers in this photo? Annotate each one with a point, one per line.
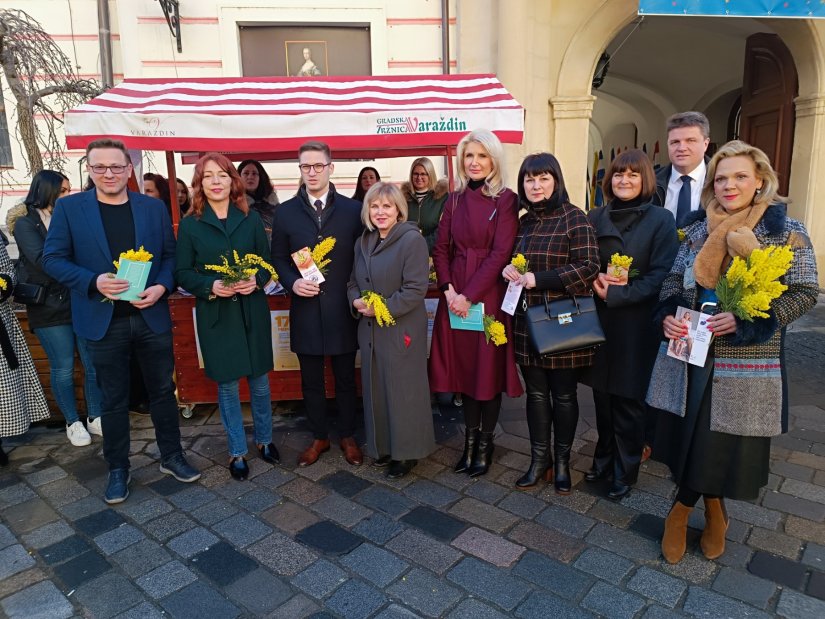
(89, 231)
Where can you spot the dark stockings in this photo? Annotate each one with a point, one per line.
(481, 413)
(689, 497)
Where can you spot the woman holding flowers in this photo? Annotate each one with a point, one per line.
(562, 259)
(387, 288)
(717, 442)
(232, 312)
(473, 243)
(637, 245)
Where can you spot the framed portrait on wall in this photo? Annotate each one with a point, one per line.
(306, 58)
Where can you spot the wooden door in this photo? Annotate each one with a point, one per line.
(769, 86)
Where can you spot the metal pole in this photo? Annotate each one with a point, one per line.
(173, 189)
(445, 37)
(104, 35)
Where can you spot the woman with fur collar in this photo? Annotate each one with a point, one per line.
(425, 196)
(717, 441)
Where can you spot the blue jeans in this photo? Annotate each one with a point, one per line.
(59, 343)
(129, 337)
(229, 402)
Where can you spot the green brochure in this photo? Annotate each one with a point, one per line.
(136, 273)
(474, 320)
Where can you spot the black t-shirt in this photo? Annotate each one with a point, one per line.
(119, 227)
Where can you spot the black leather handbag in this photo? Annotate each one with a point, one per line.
(564, 325)
(29, 294)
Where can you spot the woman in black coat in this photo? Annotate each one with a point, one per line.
(629, 225)
(51, 319)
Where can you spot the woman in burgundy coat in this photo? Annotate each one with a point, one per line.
(473, 244)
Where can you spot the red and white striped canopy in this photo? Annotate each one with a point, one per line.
(356, 116)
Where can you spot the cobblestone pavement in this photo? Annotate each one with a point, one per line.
(338, 541)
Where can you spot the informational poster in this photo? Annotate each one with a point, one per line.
(284, 358)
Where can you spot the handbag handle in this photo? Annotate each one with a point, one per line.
(571, 297)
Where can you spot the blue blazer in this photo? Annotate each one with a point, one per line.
(76, 252)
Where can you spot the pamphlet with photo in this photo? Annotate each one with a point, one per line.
(693, 347)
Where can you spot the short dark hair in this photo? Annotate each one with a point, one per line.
(45, 189)
(161, 184)
(109, 143)
(542, 163)
(636, 161)
(316, 146)
(689, 119)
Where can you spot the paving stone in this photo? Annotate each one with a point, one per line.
(742, 586)
(62, 491)
(483, 515)
(345, 483)
(657, 612)
(356, 600)
(424, 550)
(736, 555)
(141, 558)
(753, 514)
(45, 476)
(232, 490)
(624, 543)
(64, 549)
(648, 503)
(242, 529)
(259, 591)
(433, 522)
(610, 601)
(552, 575)
(794, 605)
(393, 611)
(341, 510)
(522, 504)
(775, 543)
(816, 585)
(274, 478)
(144, 610)
(488, 547)
(281, 554)
(29, 515)
(223, 564)
(486, 491)
(547, 541)
(7, 538)
(577, 500)
(44, 536)
(40, 601)
(425, 592)
(475, 609)
(604, 565)
(192, 498)
(452, 480)
(192, 542)
(378, 529)
(258, 500)
(99, 522)
(703, 603)
(807, 530)
(376, 565)
(82, 568)
(814, 556)
(83, 507)
(490, 583)
(290, 517)
(793, 471)
(657, 586)
(329, 538)
(811, 492)
(320, 579)
(18, 493)
(14, 559)
(118, 539)
(542, 605)
(612, 513)
(693, 568)
(297, 606)
(199, 600)
(166, 579)
(794, 505)
(566, 521)
(777, 569)
(653, 484)
(431, 493)
(107, 595)
(387, 501)
(214, 512)
(303, 491)
(168, 526)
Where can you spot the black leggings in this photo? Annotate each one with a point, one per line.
(689, 498)
(481, 413)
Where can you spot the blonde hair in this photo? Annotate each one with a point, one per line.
(383, 190)
(494, 183)
(429, 168)
(769, 192)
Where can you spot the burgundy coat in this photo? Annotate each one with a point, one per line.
(473, 245)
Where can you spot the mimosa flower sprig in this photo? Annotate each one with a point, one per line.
(681, 234)
(749, 286)
(135, 255)
(3, 284)
(618, 262)
(320, 251)
(494, 330)
(379, 305)
(243, 269)
(520, 262)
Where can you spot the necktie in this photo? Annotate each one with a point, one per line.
(683, 202)
(319, 207)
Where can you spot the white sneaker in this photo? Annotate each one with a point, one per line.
(78, 436)
(94, 427)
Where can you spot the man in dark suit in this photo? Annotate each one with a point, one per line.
(679, 185)
(88, 231)
(321, 323)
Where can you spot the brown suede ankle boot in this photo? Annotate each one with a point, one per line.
(674, 541)
(716, 525)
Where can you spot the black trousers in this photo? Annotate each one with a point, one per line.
(315, 399)
(551, 395)
(621, 425)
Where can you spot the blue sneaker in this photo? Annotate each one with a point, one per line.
(180, 469)
(118, 488)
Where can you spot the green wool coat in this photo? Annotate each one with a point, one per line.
(234, 333)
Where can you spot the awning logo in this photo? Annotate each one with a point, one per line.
(411, 124)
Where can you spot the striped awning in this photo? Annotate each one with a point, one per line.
(735, 8)
(357, 115)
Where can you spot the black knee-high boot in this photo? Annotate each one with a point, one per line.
(538, 422)
(565, 420)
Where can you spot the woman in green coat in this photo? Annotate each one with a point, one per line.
(233, 320)
(425, 196)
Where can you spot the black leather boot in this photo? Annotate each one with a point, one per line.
(538, 422)
(469, 454)
(565, 420)
(562, 473)
(484, 455)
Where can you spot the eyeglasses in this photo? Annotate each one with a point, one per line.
(101, 169)
(422, 174)
(318, 167)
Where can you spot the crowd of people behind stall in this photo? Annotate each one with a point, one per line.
(683, 226)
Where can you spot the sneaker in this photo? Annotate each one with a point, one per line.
(94, 426)
(180, 469)
(117, 490)
(78, 436)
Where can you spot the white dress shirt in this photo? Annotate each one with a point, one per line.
(323, 198)
(675, 186)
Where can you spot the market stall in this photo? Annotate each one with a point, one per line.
(268, 118)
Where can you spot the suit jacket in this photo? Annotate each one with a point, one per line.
(76, 252)
(662, 180)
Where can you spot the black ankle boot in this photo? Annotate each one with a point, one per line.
(562, 472)
(540, 467)
(469, 454)
(4, 458)
(484, 455)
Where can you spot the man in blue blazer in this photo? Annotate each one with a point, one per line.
(87, 233)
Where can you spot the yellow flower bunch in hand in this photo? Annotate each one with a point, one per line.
(494, 330)
(620, 266)
(749, 286)
(135, 255)
(243, 269)
(520, 262)
(379, 306)
(320, 251)
(3, 284)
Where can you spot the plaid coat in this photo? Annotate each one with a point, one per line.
(561, 240)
